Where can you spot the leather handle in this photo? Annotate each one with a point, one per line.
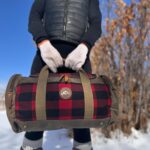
(88, 95)
(41, 94)
(40, 103)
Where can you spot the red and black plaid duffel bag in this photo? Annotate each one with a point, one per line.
(62, 100)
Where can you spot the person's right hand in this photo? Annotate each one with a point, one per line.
(50, 55)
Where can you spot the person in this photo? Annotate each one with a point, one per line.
(64, 32)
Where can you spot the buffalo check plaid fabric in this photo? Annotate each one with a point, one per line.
(58, 108)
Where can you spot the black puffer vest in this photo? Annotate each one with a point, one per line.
(66, 19)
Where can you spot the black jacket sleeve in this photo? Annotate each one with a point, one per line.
(35, 25)
(94, 31)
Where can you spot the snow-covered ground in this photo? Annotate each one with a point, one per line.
(58, 139)
(2, 90)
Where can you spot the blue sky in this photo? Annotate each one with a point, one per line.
(16, 46)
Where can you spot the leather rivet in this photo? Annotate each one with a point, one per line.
(9, 94)
(101, 123)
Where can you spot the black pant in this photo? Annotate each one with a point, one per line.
(80, 135)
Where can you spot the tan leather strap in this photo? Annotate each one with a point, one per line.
(53, 79)
(88, 95)
(40, 104)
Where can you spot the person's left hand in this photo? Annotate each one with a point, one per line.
(77, 57)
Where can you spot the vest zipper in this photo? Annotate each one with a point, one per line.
(65, 18)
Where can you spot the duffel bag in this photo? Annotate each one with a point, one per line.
(62, 100)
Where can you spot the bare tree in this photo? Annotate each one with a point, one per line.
(123, 54)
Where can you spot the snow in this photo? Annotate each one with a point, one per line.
(2, 90)
(58, 139)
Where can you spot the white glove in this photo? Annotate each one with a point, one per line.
(77, 57)
(50, 55)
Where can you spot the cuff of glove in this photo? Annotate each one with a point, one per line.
(88, 46)
(42, 42)
(41, 39)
